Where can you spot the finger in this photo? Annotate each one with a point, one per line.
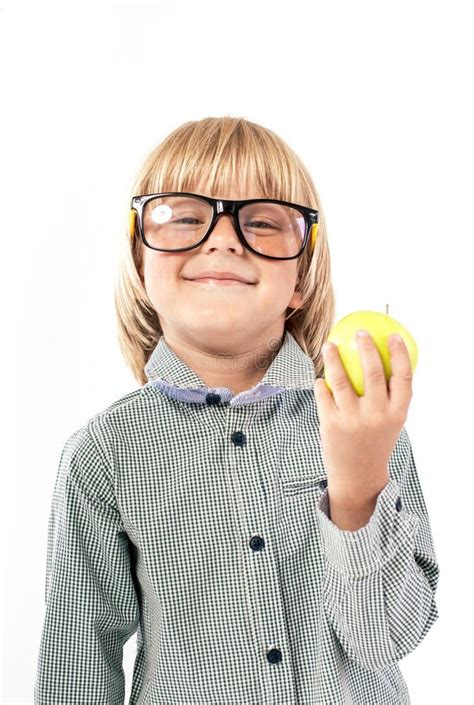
(324, 398)
(400, 383)
(375, 382)
(343, 392)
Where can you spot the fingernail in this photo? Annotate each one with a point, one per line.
(326, 347)
(396, 338)
(362, 333)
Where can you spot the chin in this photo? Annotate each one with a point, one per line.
(214, 331)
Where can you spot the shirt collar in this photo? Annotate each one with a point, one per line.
(291, 368)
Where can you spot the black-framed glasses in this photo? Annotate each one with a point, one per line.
(179, 221)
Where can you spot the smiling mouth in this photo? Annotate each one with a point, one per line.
(218, 282)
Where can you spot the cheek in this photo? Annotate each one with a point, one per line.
(161, 278)
(279, 285)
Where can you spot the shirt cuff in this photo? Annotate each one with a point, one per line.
(366, 550)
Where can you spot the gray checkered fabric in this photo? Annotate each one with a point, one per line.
(199, 520)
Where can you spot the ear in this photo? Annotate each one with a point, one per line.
(140, 274)
(296, 300)
(140, 268)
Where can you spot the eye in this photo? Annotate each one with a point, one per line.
(252, 222)
(180, 220)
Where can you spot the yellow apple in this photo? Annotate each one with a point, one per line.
(380, 326)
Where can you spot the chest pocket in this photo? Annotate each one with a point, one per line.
(302, 480)
(307, 484)
(301, 470)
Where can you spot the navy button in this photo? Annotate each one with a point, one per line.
(212, 398)
(238, 438)
(323, 484)
(398, 505)
(256, 543)
(274, 655)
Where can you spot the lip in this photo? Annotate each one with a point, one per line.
(213, 275)
(218, 282)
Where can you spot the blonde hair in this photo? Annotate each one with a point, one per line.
(223, 149)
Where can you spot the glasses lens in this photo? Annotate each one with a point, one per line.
(175, 222)
(273, 229)
(178, 222)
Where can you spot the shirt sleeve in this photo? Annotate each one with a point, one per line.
(91, 604)
(380, 580)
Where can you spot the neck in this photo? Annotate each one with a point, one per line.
(238, 367)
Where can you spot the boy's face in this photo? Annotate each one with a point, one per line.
(233, 318)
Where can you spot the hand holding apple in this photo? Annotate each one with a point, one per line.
(359, 432)
(380, 326)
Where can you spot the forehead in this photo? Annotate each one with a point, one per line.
(232, 195)
(237, 191)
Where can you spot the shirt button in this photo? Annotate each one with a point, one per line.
(323, 484)
(274, 655)
(212, 398)
(398, 505)
(238, 438)
(256, 543)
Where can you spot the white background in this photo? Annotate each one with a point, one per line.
(375, 97)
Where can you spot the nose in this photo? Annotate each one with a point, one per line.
(223, 234)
